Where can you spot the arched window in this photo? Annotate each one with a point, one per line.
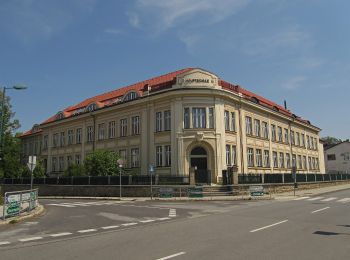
(198, 151)
(130, 96)
(91, 107)
(60, 115)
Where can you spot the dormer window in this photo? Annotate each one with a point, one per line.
(59, 115)
(91, 107)
(255, 100)
(130, 96)
(276, 108)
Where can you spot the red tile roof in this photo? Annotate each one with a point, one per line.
(161, 83)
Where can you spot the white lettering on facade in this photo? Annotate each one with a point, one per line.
(197, 81)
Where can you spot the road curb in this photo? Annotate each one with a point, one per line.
(37, 212)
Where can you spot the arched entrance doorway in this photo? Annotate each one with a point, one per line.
(199, 161)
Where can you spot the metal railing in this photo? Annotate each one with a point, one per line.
(16, 202)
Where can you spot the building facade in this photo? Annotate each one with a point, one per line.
(337, 158)
(185, 119)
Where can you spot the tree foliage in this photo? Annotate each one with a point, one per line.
(329, 140)
(101, 163)
(75, 170)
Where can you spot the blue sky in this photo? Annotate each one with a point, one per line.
(69, 50)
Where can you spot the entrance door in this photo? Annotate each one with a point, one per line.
(199, 162)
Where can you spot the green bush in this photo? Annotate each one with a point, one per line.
(101, 163)
(75, 170)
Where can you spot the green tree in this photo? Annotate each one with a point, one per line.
(329, 140)
(101, 163)
(39, 170)
(75, 170)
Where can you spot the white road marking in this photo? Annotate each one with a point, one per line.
(344, 200)
(29, 239)
(275, 224)
(172, 213)
(87, 230)
(319, 210)
(61, 205)
(315, 198)
(61, 234)
(330, 199)
(301, 198)
(163, 218)
(129, 224)
(110, 227)
(172, 256)
(4, 243)
(147, 220)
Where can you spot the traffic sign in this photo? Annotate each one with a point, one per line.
(151, 168)
(31, 162)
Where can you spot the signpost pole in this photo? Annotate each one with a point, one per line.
(31, 165)
(120, 163)
(151, 170)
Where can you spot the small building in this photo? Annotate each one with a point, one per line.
(337, 158)
(184, 120)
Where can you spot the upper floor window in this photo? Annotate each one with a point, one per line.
(281, 160)
(258, 157)
(70, 136)
(273, 132)
(248, 125)
(167, 155)
(62, 139)
(233, 121)
(250, 155)
(275, 159)
(159, 156)
(78, 135)
(227, 120)
(266, 158)
(294, 160)
(167, 120)
(297, 138)
(228, 154)
(308, 141)
(135, 157)
(304, 163)
(135, 125)
(302, 141)
(90, 133)
(123, 127)
(101, 131)
(257, 127)
(186, 118)
(91, 107)
(265, 130)
(300, 163)
(211, 117)
(45, 142)
(279, 133)
(159, 121)
(111, 129)
(288, 160)
(286, 135)
(292, 139)
(198, 117)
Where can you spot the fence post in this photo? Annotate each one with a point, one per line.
(306, 177)
(89, 183)
(156, 181)
(130, 179)
(71, 181)
(282, 177)
(109, 179)
(262, 178)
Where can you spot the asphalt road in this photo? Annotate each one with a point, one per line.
(308, 228)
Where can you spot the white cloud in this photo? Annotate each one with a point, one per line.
(134, 20)
(31, 21)
(112, 31)
(162, 15)
(294, 82)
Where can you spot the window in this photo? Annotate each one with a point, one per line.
(297, 140)
(198, 117)
(294, 160)
(304, 163)
(273, 133)
(248, 125)
(211, 117)
(69, 160)
(227, 120)
(311, 143)
(265, 130)
(123, 127)
(331, 157)
(233, 122)
(258, 158)
(159, 156)
(130, 96)
(300, 163)
(54, 164)
(275, 159)
(111, 129)
(167, 120)
(61, 163)
(288, 160)
(78, 136)
(234, 156)
(186, 118)
(91, 107)
(281, 160)
(62, 139)
(228, 154)
(302, 140)
(45, 142)
(158, 121)
(70, 136)
(286, 135)
(90, 134)
(316, 164)
(292, 139)
(313, 163)
(55, 140)
(308, 141)
(257, 127)
(250, 155)
(77, 159)
(135, 157)
(101, 131)
(123, 155)
(279, 133)
(135, 125)
(167, 155)
(310, 164)
(266, 158)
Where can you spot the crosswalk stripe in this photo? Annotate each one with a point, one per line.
(147, 220)
(343, 200)
(301, 198)
(29, 239)
(129, 224)
(330, 199)
(315, 198)
(62, 205)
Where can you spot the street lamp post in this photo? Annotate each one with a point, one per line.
(120, 163)
(2, 129)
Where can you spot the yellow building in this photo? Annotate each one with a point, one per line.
(187, 118)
